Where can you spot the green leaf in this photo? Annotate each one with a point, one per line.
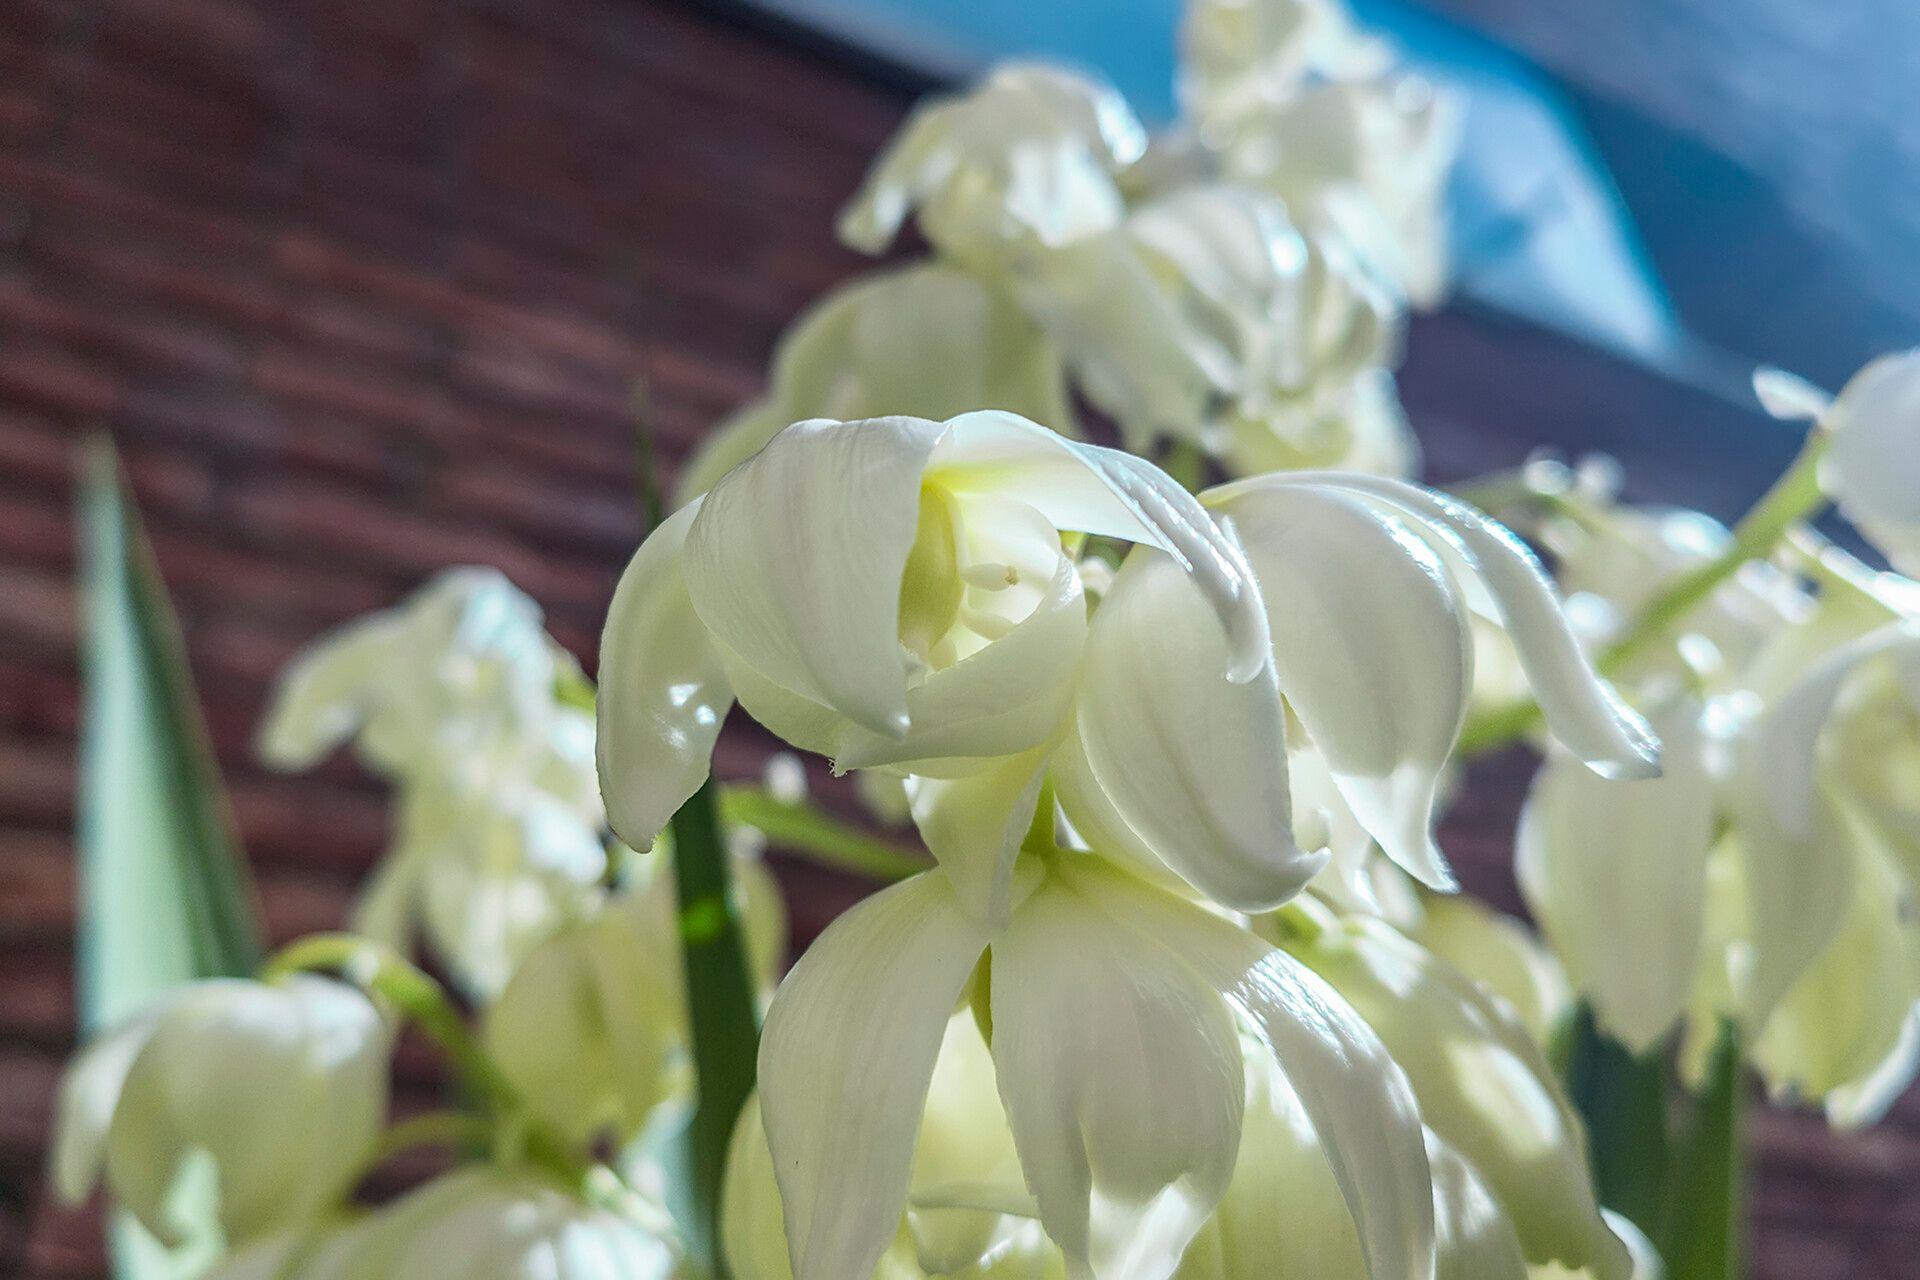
(1706, 1224)
(799, 828)
(164, 896)
(1623, 1099)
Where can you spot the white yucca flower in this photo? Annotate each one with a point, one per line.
(1208, 316)
(895, 593)
(453, 695)
(969, 1210)
(274, 1094)
(1243, 60)
(1872, 465)
(1116, 1012)
(1767, 876)
(479, 1222)
(592, 1027)
(1026, 158)
(928, 339)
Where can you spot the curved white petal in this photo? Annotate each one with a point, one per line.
(1473, 1237)
(1845, 1026)
(848, 1050)
(1193, 767)
(928, 339)
(1615, 872)
(1359, 1100)
(1787, 395)
(1105, 491)
(1872, 466)
(1372, 650)
(1484, 1087)
(1120, 1069)
(1500, 953)
(973, 826)
(321, 697)
(1798, 881)
(1505, 581)
(89, 1092)
(663, 691)
(795, 559)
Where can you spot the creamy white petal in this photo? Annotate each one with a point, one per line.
(848, 1050)
(663, 691)
(1846, 1021)
(973, 826)
(1120, 1069)
(1106, 491)
(1797, 885)
(1504, 580)
(1372, 650)
(1872, 466)
(1194, 767)
(1473, 1237)
(1499, 952)
(1359, 1100)
(320, 698)
(89, 1092)
(1615, 872)
(1484, 1086)
(795, 560)
(928, 339)
(1027, 155)
(1787, 395)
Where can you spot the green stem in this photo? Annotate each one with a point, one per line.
(721, 1009)
(1706, 1226)
(800, 828)
(380, 970)
(1622, 1097)
(1795, 497)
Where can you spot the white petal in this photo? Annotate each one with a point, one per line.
(1359, 1100)
(974, 825)
(1504, 579)
(1798, 886)
(1484, 1086)
(1372, 650)
(663, 692)
(794, 561)
(1615, 872)
(1105, 491)
(322, 696)
(89, 1092)
(1873, 464)
(1501, 954)
(1787, 395)
(1844, 1026)
(849, 1046)
(1193, 767)
(1120, 1069)
(1474, 1238)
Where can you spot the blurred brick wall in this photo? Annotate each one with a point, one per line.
(362, 286)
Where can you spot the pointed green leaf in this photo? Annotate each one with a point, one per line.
(164, 896)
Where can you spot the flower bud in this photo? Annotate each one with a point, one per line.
(280, 1089)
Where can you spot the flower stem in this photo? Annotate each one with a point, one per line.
(1795, 497)
(430, 1129)
(800, 828)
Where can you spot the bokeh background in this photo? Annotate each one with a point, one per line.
(363, 288)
